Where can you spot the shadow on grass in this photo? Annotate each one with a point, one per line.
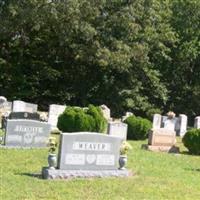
(191, 169)
(38, 176)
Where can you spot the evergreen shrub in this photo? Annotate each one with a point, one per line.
(138, 127)
(75, 119)
(191, 141)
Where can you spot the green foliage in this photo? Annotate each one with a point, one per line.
(191, 140)
(138, 128)
(75, 119)
(142, 54)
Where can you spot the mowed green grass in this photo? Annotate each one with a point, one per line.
(157, 176)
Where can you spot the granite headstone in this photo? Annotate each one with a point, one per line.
(88, 151)
(27, 133)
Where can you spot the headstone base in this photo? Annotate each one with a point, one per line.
(70, 174)
(2, 146)
(167, 149)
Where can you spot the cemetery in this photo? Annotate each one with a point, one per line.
(99, 100)
(40, 153)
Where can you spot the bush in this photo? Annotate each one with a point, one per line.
(138, 127)
(191, 140)
(75, 119)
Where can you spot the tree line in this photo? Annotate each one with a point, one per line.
(132, 55)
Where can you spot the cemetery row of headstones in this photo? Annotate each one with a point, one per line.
(80, 154)
(24, 127)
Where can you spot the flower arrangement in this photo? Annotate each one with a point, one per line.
(124, 148)
(171, 115)
(52, 145)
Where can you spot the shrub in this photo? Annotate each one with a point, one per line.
(75, 119)
(191, 140)
(138, 127)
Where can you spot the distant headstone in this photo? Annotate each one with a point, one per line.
(162, 140)
(106, 112)
(170, 124)
(197, 122)
(21, 106)
(157, 121)
(2, 101)
(183, 125)
(118, 129)
(7, 107)
(54, 112)
(26, 133)
(127, 114)
(88, 151)
(162, 137)
(24, 115)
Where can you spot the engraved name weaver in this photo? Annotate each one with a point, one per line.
(91, 146)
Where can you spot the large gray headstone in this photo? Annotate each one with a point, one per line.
(88, 151)
(118, 129)
(27, 133)
(21, 106)
(54, 112)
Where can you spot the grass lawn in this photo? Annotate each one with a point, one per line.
(157, 176)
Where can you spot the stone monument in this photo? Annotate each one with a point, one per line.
(54, 112)
(162, 137)
(26, 133)
(117, 129)
(86, 154)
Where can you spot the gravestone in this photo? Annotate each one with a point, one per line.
(169, 124)
(54, 112)
(26, 133)
(88, 151)
(157, 121)
(127, 114)
(182, 125)
(24, 115)
(197, 122)
(118, 129)
(162, 137)
(5, 109)
(86, 154)
(2, 101)
(106, 112)
(161, 140)
(21, 106)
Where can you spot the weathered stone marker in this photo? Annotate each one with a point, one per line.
(21, 106)
(54, 112)
(118, 129)
(26, 133)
